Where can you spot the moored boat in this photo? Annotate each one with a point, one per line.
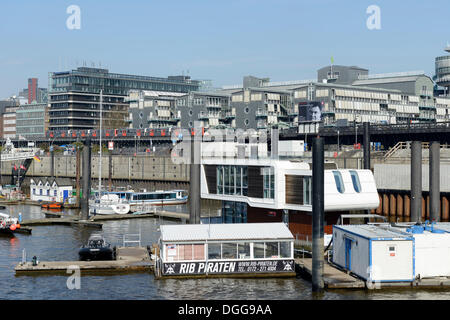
(225, 250)
(109, 204)
(8, 224)
(141, 201)
(96, 249)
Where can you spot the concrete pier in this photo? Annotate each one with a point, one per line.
(128, 259)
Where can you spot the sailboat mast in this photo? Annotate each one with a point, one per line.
(100, 156)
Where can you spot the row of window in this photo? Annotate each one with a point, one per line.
(230, 251)
(232, 180)
(55, 192)
(340, 183)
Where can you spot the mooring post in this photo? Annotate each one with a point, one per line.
(77, 172)
(317, 215)
(366, 153)
(110, 171)
(52, 162)
(367, 145)
(86, 179)
(194, 183)
(434, 176)
(416, 181)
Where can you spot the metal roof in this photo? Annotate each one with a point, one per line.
(373, 232)
(230, 231)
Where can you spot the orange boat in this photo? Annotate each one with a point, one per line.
(53, 206)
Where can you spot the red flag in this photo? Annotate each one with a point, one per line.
(15, 167)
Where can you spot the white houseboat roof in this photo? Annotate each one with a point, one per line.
(374, 232)
(231, 231)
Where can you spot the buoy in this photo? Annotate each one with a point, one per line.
(12, 227)
(18, 226)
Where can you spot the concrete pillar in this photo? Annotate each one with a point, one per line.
(407, 207)
(416, 181)
(445, 208)
(317, 215)
(435, 192)
(380, 206)
(385, 204)
(399, 206)
(392, 205)
(274, 143)
(424, 208)
(86, 179)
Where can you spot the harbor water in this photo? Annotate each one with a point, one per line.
(53, 243)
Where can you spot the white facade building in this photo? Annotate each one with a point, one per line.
(49, 191)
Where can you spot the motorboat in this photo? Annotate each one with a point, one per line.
(8, 224)
(96, 249)
(145, 200)
(109, 204)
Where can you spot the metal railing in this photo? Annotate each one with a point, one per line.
(128, 238)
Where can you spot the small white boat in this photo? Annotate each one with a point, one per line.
(109, 204)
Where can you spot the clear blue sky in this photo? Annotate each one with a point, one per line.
(218, 40)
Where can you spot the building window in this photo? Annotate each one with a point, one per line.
(232, 180)
(307, 190)
(269, 182)
(355, 181)
(339, 182)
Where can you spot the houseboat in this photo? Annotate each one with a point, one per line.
(272, 190)
(139, 201)
(225, 250)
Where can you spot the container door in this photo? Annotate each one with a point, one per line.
(348, 254)
(65, 195)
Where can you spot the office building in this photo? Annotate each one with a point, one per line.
(74, 96)
(32, 120)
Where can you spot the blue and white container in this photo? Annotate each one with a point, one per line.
(373, 253)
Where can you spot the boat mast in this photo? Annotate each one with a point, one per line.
(100, 156)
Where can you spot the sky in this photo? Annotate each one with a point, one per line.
(217, 40)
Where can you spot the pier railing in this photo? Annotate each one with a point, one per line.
(131, 238)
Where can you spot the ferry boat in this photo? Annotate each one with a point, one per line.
(225, 250)
(109, 204)
(96, 249)
(140, 201)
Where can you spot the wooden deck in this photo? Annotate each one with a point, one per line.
(129, 259)
(66, 221)
(332, 277)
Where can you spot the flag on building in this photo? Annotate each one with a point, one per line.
(332, 60)
(37, 158)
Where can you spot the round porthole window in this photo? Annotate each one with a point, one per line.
(190, 112)
(246, 122)
(246, 110)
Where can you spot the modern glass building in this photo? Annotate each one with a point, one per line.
(31, 120)
(74, 96)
